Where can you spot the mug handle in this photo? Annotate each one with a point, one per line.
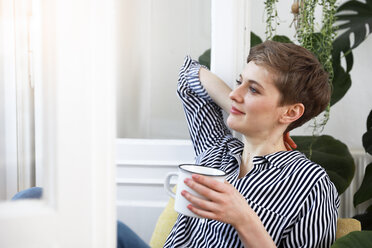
(167, 184)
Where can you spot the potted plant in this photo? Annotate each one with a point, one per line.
(364, 193)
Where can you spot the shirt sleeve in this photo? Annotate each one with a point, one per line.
(316, 224)
(204, 117)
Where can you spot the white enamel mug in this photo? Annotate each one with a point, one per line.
(185, 171)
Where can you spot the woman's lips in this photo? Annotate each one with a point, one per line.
(235, 111)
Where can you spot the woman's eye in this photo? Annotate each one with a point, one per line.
(253, 90)
(238, 82)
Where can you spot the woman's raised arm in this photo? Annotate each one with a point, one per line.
(217, 89)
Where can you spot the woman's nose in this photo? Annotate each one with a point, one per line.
(236, 94)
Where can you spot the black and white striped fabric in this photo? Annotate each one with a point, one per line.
(294, 197)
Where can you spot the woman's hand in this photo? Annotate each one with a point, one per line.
(288, 142)
(227, 205)
(224, 202)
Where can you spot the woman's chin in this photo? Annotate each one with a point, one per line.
(230, 123)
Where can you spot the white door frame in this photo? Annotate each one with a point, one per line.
(230, 38)
(231, 32)
(8, 116)
(77, 150)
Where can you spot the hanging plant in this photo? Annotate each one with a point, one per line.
(320, 43)
(271, 18)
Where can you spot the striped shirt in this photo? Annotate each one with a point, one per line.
(294, 197)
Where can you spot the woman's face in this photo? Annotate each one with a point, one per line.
(255, 109)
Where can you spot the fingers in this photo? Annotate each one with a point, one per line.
(209, 182)
(198, 202)
(213, 190)
(202, 213)
(223, 202)
(202, 189)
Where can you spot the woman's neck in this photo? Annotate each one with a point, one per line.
(258, 147)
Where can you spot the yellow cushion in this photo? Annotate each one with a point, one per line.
(347, 225)
(164, 225)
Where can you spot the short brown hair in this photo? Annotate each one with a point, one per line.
(298, 75)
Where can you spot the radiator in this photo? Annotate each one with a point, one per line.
(347, 208)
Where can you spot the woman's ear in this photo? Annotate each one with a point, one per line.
(293, 112)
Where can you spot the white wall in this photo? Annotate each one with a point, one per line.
(348, 117)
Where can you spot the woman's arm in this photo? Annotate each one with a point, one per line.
(316, 224)
(217, 89)
(252, 233)
(204, 117)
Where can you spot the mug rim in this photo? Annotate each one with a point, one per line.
(204, 174)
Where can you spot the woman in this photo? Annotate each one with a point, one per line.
(272, 197)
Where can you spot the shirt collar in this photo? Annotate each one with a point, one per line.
(278, 159)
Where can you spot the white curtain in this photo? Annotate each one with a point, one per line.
(153, 38)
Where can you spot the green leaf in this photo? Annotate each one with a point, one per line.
(367, 136)
(332, 155)
(205, 58)
(367, 141)
(341, 83)
(341, 77)
(369, 209)
(364, 193)
(349, 60)
(282, 38)
(354, 16)
(369, 121)
(357, 239)
(317, 47)
(365, 219)
(342, 49)
(255, 39)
